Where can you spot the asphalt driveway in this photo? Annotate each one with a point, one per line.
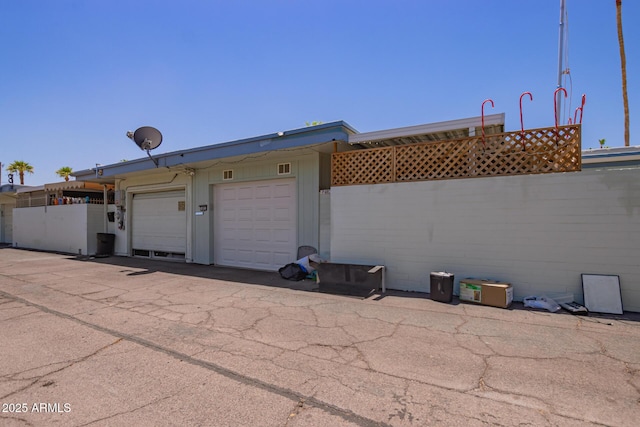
(121, 341)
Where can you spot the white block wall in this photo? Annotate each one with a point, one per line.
(324, 239)
(539, 232)
(66, 228)
(6, 220)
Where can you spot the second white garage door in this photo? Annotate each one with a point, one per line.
(255, 224)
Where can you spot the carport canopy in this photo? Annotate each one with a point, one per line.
(432, 132)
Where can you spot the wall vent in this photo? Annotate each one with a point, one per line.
(284, 168)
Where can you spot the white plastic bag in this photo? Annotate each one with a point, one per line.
(543, 302)
(304, 263)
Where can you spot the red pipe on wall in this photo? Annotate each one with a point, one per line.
(492, 106)
(521, 121)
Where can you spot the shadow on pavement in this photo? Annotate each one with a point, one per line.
(140, 266)
(271, 278)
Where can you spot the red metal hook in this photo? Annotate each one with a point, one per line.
(555, 104)
(575, 116)
(521, 121)
(584, 101)
(492, 106)
(581, 109)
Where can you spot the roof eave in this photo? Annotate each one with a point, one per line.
(297, 138)
(471, 122)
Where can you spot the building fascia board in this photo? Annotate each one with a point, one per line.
(297, 138)
(619, 154)
(471, 122)
(11, 188)
(29, 189)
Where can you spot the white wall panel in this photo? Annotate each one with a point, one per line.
(539, 232)
(65, 228)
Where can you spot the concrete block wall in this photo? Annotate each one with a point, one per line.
(66, 228)
(324, 239)
(539, 232)
(52, 228)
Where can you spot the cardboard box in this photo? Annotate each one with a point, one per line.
(486, 292)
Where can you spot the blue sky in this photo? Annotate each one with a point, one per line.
(77, 74)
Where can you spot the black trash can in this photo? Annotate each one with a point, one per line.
(105, 244)
(441, 286)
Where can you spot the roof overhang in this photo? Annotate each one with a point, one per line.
(308, 137)
(63, 186)
(73, 185)
(440, 131)
(30, 189)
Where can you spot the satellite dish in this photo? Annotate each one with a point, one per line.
(147, 138)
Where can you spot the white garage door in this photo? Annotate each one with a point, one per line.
(255, 224)
(159, 224)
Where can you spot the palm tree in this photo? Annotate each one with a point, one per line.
(20, 167)
(64, 172)
(623, 66)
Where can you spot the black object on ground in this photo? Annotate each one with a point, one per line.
(441, 286)
(348, 279)
(105, 244)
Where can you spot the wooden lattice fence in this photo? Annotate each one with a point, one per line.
(533, 151)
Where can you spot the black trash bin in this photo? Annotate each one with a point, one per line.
(105, 244)
(441, 286)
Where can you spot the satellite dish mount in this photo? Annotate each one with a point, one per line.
(147, 138)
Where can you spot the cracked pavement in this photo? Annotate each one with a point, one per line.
(125, 341)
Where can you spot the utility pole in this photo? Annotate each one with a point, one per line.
(623, 67)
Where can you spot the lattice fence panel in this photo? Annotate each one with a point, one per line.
(533, 151)
(362, 167)
(435, 160)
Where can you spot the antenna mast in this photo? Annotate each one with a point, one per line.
(561, 32)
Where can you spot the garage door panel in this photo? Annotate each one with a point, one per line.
(263, 235)
(263, 192)
(281, 236)
(228, 194)
(282, 214)
(245, 234)
(245, 214)
(256, 229)
(263, 214)
(228, 214)
(263, 257)
(281, 191)
(281, 258)
(245, 193)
